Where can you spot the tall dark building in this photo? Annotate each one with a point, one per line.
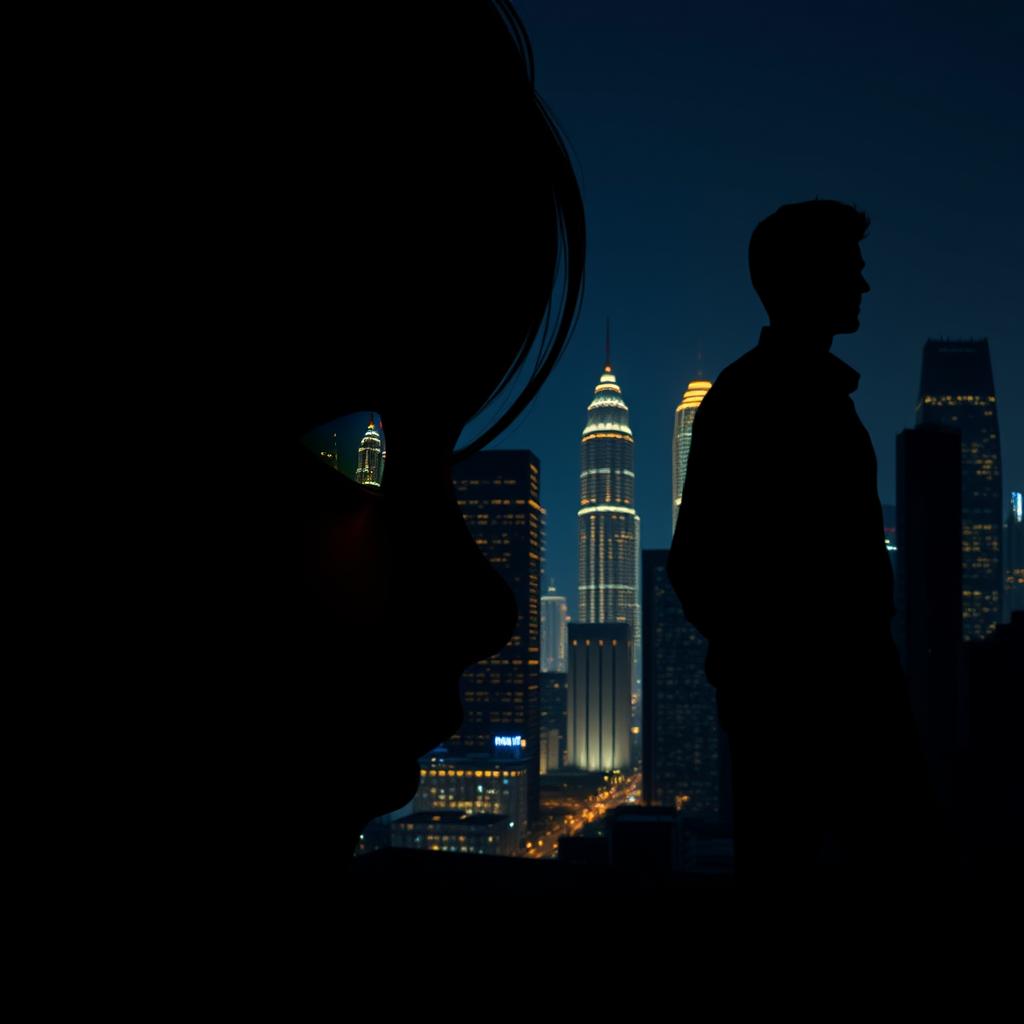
(957, 391)
(681, 736)
(928, 584)
(1014, 556)
(498, 493)
(554, 689)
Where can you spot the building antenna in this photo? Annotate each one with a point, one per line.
(608, 344)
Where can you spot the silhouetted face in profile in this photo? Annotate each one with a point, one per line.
(421, 270)
(839, 289)
(807, 267)
(407, 598)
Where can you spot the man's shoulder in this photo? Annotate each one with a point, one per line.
(740, 385)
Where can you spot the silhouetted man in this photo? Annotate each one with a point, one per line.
(779, 560)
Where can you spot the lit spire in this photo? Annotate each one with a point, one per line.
(369, 463)
(607, 409)
(607, 345)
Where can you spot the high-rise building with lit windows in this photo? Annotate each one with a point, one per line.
(455, 832)
(475, 785)
(957, 392)
(1014, 560)
(498, 493)
(609, 527)
(681, 435)
(370, 462)
(554, 688)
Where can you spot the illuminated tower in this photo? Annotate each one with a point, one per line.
(609, 527)
(370, 466)
(685, 412)
(554, 611)
(599, 708)
(957, 392)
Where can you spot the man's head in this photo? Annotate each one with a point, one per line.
(805, 264)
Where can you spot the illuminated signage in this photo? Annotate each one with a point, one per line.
(514, 742)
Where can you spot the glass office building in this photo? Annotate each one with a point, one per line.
(957, 392)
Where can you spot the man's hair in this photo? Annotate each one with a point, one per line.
(797, 240)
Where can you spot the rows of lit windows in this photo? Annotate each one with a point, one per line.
(943, 400)
(476, 773)
(604, 436)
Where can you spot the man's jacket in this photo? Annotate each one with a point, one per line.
(779, 555)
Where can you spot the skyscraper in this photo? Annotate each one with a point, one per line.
(599, 706)
(554, 663)
(370, 464)
(957, 392)
(498, 493)
(681, 435)
(681, 735)
(609, 527)
(1014, 560)
(554, 688)
(554, 655)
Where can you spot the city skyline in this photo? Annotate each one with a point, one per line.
(689, 125)
(338, 443)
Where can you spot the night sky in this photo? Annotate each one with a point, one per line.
(691, 122)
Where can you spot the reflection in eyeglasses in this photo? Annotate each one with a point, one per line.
(353, 445)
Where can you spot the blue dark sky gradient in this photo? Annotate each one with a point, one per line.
(690, 122)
